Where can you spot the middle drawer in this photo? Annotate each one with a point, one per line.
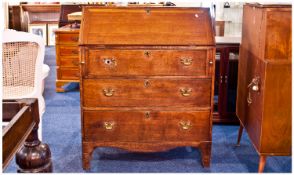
(175, 92)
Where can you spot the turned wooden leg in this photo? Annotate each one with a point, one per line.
(34, 156)
(239, 135)
(205, 149)
(59, 85)
(262, 161)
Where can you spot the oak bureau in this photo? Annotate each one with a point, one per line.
(147, 79)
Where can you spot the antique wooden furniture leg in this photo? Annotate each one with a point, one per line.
(240, 134)
(34, 156)
(262, 161)
(59, 85)
(205, 149)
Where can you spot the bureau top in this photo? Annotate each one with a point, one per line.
(146, 26)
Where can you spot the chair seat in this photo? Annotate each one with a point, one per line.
(16, 92)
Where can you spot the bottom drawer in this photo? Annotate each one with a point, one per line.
(68, 74)
(146, 126)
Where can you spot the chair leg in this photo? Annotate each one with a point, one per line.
(262, 161)
(239, 135)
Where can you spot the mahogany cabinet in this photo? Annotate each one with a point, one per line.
(264, 79)
(147, 79)
(226, 74)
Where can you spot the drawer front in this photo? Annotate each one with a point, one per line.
(65, 50)
(146, 126)
(68, 74)
(69, 62)
(163, 92)
(146, 62)
(64, 38)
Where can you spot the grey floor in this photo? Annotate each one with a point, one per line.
(62, 131)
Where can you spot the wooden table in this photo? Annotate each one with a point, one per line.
(226, 80)
(20, 137)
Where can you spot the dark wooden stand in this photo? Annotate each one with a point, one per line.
(23, 116)
(225, 80)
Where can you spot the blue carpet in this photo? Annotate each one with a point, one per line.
(62, 131)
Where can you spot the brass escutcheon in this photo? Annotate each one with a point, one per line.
(147, 83)
(185, 125)
(108, 125)
(108, 92)
(186, 91)
(109, 61)
(147, 115)
(147, 53)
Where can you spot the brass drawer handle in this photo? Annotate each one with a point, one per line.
(185, 125)
(186, 91)
(75, 52)
(109, 62)
(108, 92)
(253, 86)
(147, 53)
(186, 61)
(108, 125)
(74, 38)
(75, 62)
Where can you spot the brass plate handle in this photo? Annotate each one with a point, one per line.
(74, 38)
(253, 86)
(147, 53)
(186, 61)
(109, 62)
(108, 92)
(108, 125)
(75, 52)
(185, 125)
(186, 91)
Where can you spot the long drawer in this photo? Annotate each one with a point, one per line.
(68, 74)
(67, 50)
(67, 38)
(146, 62)
(146, 126)
(176, 92)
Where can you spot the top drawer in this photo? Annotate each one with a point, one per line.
(146, 63)
(67, 38)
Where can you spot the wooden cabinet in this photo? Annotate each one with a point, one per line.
(147, 79)
(67, 57)
(226, 74)
(264, 79)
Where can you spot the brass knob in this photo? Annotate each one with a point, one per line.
(108, 125)
(186, 91)
(210, 62)
(255, 88)
(185, 125)
(108, 92)
(186, 61)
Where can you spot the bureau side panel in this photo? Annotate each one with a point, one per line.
(277, 123)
